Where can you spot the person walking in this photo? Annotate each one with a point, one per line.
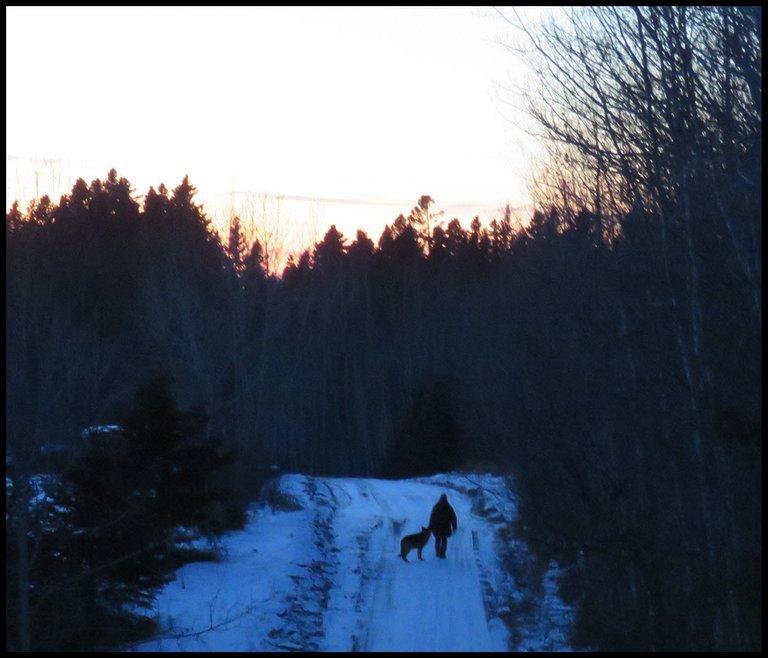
(442, 522)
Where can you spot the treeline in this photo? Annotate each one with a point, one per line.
(312, 370)
(553, 351)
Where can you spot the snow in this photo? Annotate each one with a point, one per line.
(95, 430)
(317, 568)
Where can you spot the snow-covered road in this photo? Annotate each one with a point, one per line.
(429, 605)
(318, 569)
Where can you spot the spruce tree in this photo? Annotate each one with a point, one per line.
(430, 438)
(131, 504)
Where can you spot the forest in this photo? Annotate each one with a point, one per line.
(606, 353)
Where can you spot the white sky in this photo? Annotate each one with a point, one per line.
(376, 105)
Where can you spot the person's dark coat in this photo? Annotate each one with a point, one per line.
(442, 521)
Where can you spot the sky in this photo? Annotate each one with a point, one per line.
(326, 575)
(315, 115)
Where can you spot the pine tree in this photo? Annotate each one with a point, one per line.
(329, 253)
(430, 438)
(130, 504)
(422, 219)
(236, 247)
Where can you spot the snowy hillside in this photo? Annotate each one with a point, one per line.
(317, 569)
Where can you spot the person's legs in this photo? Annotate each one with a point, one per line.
(439, 545)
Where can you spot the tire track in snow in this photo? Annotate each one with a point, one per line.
(370, 573)
(317, 569)
(489, 594)
(303, 617)
(357, 594)
(423, 605)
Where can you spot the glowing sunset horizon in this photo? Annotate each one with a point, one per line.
(341, 115)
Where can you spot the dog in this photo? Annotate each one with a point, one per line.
(417, 541)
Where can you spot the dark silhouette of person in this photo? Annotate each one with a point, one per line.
(442, 522)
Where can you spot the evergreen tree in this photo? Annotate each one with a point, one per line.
(422, 219)
(430, 439)
(455, 237)
(385, 242)
(130, 504)
(362, 249)
(329, 253)
(406, 248)
(13, 219)
(236, 248)
(254, 266)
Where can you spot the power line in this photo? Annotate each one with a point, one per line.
(358, 202)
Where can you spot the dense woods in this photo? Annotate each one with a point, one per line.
(607, 354)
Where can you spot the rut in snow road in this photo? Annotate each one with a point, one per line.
(429, 605)
(317, 568)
